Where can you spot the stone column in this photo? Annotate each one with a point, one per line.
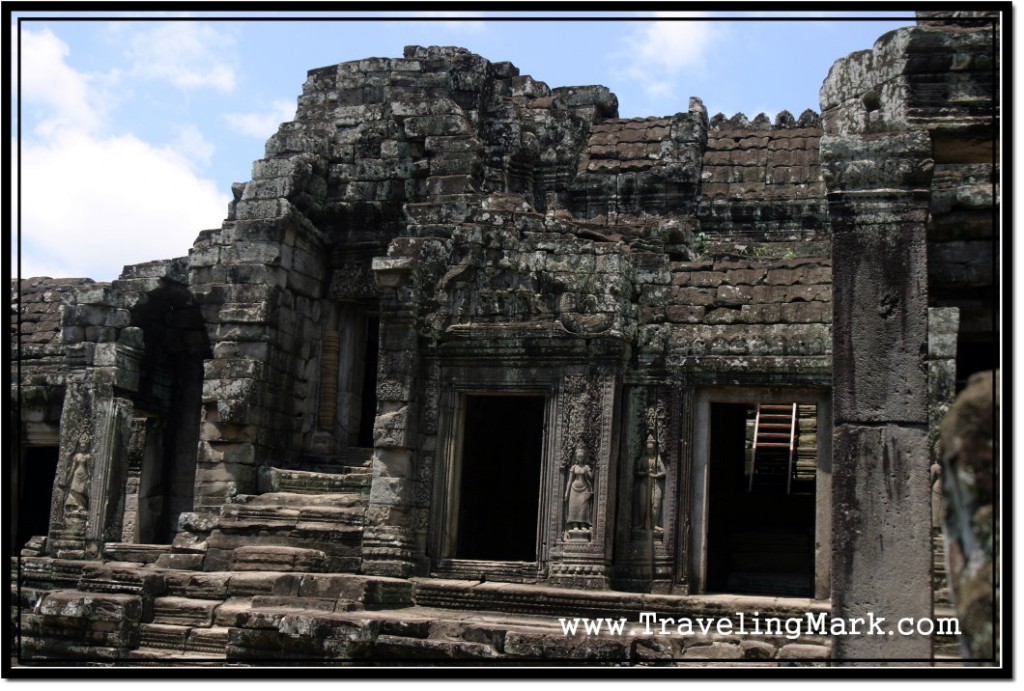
(878, 194)
(646, 534)
(102, 354)
(88, 494)
(389, 546)
(581, 531)
(943, 323)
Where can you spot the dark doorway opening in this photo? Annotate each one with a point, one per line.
(35, 486)
(974, 355)
(368, 398)
(499, 491)
(170, 395)
(760, 538)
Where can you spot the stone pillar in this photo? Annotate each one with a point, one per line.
(878, 194)
(88, 494)
(943, 323)
(582, 551)
(646, 522)
(101, 354)
(389, 546)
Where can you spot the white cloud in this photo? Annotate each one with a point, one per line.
(60, 93)
(191, 144)
(91, 205)
(187, 54)
(658, 52)
(92, 201)
(262, 124)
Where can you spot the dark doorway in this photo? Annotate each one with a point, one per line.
(35, 486)
(499, 491)
(975, 355)
(760, 537)
(368, 399)
(170, 394)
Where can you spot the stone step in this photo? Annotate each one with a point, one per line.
(274, 516)
(47, 572)
(331, 523)
(161, 657)
(308, 482)
(322, 604)
(278, 558)
(340, 545)
(35, 547)
(540, 602)
(302, 500)
(212, 641)
(227, 613)
(164, 636)
(427, 634)
(126, 551)
(184, 611)
(181, 562)
(388, 647)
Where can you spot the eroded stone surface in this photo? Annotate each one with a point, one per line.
(267, 434)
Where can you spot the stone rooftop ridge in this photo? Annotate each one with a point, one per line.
(784, 120)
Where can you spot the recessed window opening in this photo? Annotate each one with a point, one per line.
(499, 487)
(761, 508)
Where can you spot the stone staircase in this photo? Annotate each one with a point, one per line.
(273, 577)
(183, 626)
(304, 520)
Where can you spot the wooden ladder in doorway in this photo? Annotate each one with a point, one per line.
(774, 449)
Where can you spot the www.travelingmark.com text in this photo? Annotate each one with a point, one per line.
(753, 624)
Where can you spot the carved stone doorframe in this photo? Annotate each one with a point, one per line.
(458, 385)
(695, 564)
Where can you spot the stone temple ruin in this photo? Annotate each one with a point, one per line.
(471, 353)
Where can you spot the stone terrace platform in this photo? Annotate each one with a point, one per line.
(143, 615)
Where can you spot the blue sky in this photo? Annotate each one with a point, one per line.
(133, 128)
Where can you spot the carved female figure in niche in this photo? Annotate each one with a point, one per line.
(649, 491)
(935, 473)
(76, 501)
(579, 492)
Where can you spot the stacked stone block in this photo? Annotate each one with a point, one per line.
(762, 183)
(711, 314)
(37, 349)
(641, 166)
